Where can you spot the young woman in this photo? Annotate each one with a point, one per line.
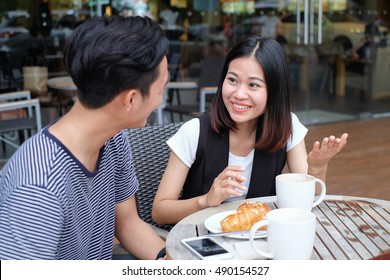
(235, 150)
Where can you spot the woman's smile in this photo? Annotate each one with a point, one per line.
(240, 107)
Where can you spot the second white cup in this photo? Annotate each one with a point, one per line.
(291, 234)
(296, 190)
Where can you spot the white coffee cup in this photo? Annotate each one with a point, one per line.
(291, 234)
(296, 190)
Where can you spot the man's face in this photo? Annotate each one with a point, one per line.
(156, 95)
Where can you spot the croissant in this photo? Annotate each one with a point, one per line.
(246, 216)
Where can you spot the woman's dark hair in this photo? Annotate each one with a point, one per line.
(108, 55)
(275, 124)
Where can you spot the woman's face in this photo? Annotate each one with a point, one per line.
(244, 90)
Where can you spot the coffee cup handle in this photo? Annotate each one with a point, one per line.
(322, 194)
(252, 233)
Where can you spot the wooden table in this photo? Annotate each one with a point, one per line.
(348, 228)
(62, 83)
(66, 91)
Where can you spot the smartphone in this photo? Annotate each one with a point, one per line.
(206, 248)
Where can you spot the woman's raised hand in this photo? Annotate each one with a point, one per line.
(323, 152)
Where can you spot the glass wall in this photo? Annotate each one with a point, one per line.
(338, 50)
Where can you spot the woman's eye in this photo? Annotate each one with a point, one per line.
(232, 80)
(252, 85)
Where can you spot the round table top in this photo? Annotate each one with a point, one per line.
(62, 83)
(347, 228)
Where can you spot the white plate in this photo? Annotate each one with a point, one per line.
(212, 223)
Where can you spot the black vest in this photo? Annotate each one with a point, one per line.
(212, 157)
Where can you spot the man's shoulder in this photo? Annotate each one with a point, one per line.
(33, 157)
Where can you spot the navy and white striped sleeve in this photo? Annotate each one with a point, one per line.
(127, 182)
(31, 224)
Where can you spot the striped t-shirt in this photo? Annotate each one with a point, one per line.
(51, 207)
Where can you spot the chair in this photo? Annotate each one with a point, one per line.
(150, 153)
(372, 84)
(18, 113)
(328, 55)
(13, 95)
(207, 85)
(173, 67)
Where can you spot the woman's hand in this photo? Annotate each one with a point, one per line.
(321, 154)
(228, 182)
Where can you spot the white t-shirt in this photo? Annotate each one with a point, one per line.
(184, 144)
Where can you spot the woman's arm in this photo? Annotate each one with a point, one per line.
(297, 158)
(168, 209)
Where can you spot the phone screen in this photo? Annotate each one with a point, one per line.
(206, 247)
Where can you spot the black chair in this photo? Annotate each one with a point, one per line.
(151, 155)
(174, 68)
(205, 88)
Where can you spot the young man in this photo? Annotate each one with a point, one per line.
(70, 188)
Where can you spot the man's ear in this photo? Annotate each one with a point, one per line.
(129, 98)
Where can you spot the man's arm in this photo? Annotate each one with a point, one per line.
(30, 224)
(134, 234)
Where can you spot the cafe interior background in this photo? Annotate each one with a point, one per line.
(318, 36)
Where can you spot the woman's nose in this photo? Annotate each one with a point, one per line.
(240, 92)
